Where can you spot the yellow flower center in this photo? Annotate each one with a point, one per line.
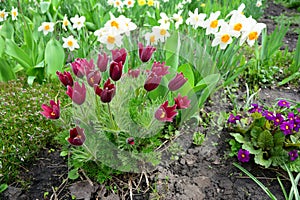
(111, 39)
(129, 3)
(287, 127)
(65, 22)
(114, 24)
(70, 43)
(118, 3)
(163, 114)
(2, 14)
(253, 35)
(152, 38)
(214, 23)
(163, 32)
(47, 27)
(14, 13)
(52, 114)
(243, 155)
(92, 80)
(225, 38)
(238, 27)
(196, 18)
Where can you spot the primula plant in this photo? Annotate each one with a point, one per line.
(270, 136)
(118, 118)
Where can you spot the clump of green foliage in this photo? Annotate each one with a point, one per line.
(24, 131)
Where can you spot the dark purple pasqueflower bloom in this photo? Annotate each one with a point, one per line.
(65, 78)
(89, 66)
(268, 115)
(287, 127)
(166, 113)
(232, 119)
(291, 116)
(102, 62)
(119, 55)
(134, 73)
(160, 69)
(145, 53)
(293, 155)
(115, 70)
(255, 108)
(78, 67)
(130, 141)
(278, 119)
(93, 78)
(77, 136)
(177, 82)
(243, 155)
(283, 103)
(107, 93)
(152, 81)
(77, 93)
(52, 111)
(182, 102)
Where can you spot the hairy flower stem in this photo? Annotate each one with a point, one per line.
(111, 118)
(91, 153)
(292, 144)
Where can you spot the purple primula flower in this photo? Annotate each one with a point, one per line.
(291, 116)
(232, 119)
(298, 109)
(243, 155)
(268, 115)
(278, 119)
(297, 123)
(255, 108)
(283, 103)
(293, 154)
(287, 127)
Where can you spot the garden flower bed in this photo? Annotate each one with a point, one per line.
(144, 120)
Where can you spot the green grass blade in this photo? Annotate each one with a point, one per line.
(282, 188)
(265, 189)
(294, 190)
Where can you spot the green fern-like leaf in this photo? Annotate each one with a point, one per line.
(279, 156)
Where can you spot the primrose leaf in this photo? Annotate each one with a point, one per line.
(295, 165)
(238, 137)
(255, 132)
(278, 156)
(259, 159)
(249, 146)
(278, 139)
(265, 140)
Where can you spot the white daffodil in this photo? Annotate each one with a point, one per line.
(238, 23)
(128, 25)
(118, 4)
(252, 31)
(115, 23)
(65, 23)
(46, 27)
(14, 13)
(165, 20)
(196, 20)
(238, 11)
(224, 36)
(3, 15)
(129, 3)
(258, 3)
(179, 6)
(78, 22)
(70, 43)
(100, 33)
(212, 24)
(151, 38)
(161, 32)
(178, 19)
(111, 39)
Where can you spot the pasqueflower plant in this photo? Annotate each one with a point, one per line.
(117, 118)
(269, 136)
